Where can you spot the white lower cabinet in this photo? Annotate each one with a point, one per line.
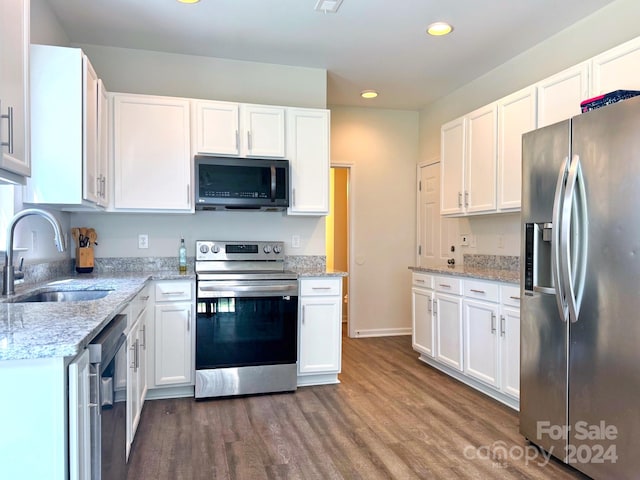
(423, 331)
(448, 316)
(136, 362)
(319, 330)
(79, 418)
(475, 334)
(173, 335)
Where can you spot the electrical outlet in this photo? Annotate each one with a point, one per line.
(143, 240)
(500, 241)
(464, 240)
(295, 241)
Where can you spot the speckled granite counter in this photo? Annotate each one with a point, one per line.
(45, 330)
(483, 273)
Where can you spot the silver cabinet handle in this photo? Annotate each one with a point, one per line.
(502, 325)
(293, 196)
(303, 314)
(460, 199)
(249, 140)
(435, 307)
(189, 321)
(444, 285)
(320, 288)
(429, 308)
(145, 298)
(237, 140)
(9, 117)
(512, 297)
(466, 198)
(177, 292)
(477, 291)
(493, 322)
(93, 403)
(419, 281)
(144, 337)
(134, 363)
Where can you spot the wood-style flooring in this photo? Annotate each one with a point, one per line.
(392, 417)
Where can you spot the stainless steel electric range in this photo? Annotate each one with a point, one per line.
(246, 320)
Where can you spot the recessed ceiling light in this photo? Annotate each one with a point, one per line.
(188, 1)
(368, 94)
(439, 28)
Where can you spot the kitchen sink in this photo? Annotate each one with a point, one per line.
(63, 296)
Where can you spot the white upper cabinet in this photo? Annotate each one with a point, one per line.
(617, 69)
(308, 134)
(559, 96)
(481, 159)
(103, 147)
(14, 91)
(452, 145)
(246, 130)
(516, 115)
(151, 153)
(64, 129)
(469, 163)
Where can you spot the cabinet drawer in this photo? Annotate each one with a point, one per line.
(423, 280)
(172, 291)
(448, 285)
(320, 286)
(510, 295)
(138, 304)
(482, 290)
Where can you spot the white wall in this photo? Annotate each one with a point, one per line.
(382, 147)
(606, 28)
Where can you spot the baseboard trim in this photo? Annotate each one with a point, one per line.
(383, 332)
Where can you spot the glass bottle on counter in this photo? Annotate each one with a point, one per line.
(182, 257)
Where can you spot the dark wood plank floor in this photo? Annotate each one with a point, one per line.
(392, 417)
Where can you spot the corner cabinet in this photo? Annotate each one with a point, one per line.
(308, 152)
(65, 124)
(225, 128)
(151, 154)
(14, 91)
(319, 330)
(559, 96)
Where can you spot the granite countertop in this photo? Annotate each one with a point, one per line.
(51, 329)
(479, 272)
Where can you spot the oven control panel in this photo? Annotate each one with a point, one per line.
(209, 250)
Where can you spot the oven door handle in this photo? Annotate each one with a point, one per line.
(234, 290)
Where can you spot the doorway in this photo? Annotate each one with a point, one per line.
(337, 230)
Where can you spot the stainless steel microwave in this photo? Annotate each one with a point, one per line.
(224, 183)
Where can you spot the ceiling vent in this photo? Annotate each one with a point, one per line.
(328, 6)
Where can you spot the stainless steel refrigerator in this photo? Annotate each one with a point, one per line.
(580, 311)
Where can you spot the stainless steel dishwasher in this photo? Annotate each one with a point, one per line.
(109, 412)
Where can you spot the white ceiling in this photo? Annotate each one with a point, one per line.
(368, 44)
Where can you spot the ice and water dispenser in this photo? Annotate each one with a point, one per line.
(538, 257)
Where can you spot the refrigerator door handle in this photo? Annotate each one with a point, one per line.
(574, 252)
(556, 250)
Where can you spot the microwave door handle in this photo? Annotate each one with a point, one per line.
(273, 183)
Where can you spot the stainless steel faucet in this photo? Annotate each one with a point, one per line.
(8, 274)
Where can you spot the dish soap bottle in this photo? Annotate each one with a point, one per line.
(182, 257)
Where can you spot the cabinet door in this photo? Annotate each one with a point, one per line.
(173, 351)
(449, 330)
(103, 146)
(263, 131)
(320, 335)
(452, 145)
(14, 89)
(308, 135)
(90, 183)
(133, 400)
(79, 418)
(559, 96)
(481, 341)
(516, 115)
(510, 351)
(481, 160)
(217, 128)
(423, 324)
(152, 158)
(617, 69)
